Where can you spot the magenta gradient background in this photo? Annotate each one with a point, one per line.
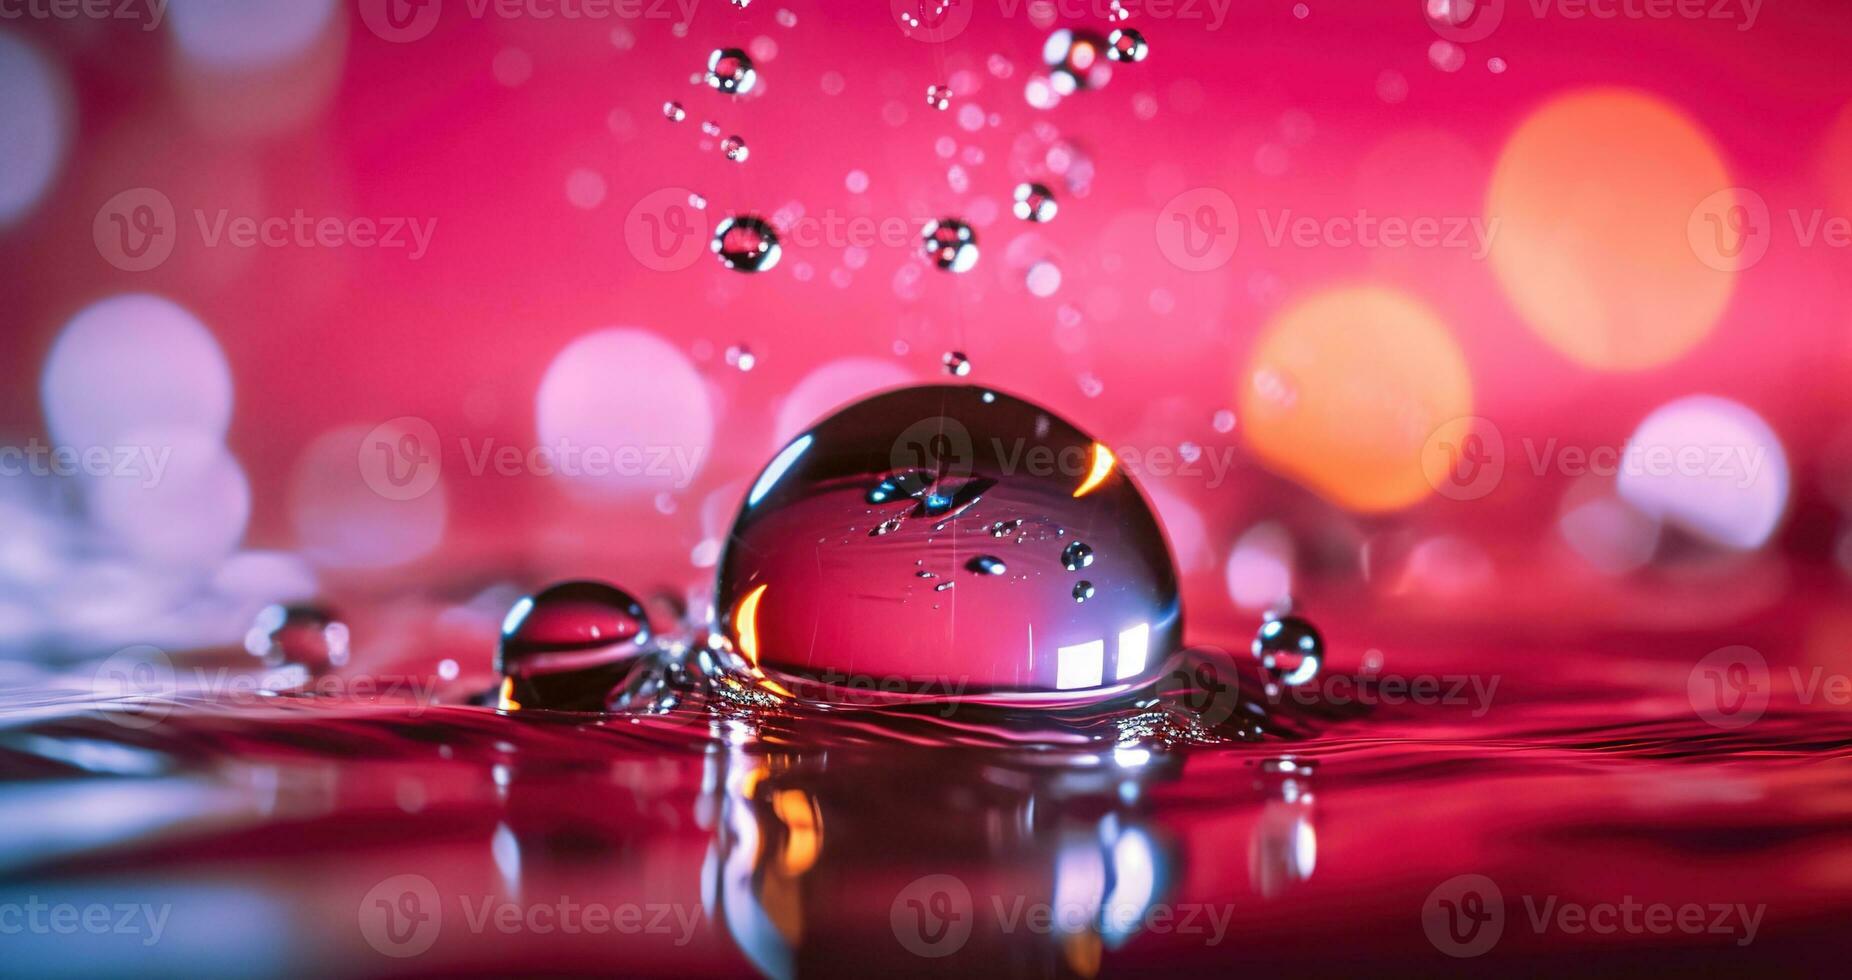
(321, 338)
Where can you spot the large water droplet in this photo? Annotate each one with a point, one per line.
(731, 71)
(1290, 649)
(568, 646)
(987, 565)
(747, 243)
(1034, 202)
(1076, 556)
(803, 600)
(950, 244)
(308, 636)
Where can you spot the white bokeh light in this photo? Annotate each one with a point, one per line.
(34, 126)
(832, 386)
(134, 362)
(244, 34)
(1260, 568)
(1709, 466)
(631, 407)
(342, 522)
(191, 512)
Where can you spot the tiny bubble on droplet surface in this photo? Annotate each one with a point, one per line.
(986, 565)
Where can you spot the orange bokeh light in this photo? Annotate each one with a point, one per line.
(1595, 198)
(1344, 390)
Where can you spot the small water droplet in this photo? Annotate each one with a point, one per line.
(1126, 44)
(746, 243)
(735, 149)
(740, 356)
(741, 4)
(710, 127)
(1034, 202)
(922, 573)
(986, 565)
(942, 586)
(1074, 60)
(956, 363)
(1076, 556)
(949, 244)
(786, 18)
(1224, 421)
(886, 527)
(569, 645)
(939, 96)
(730, 70)
(1083, 590)
(1003, 529)
(697, 201)
(1290, 649)
(908, 483)
(673, 111)
(306, 635)
(1190, 452)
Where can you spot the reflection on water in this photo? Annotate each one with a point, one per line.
(392, 829)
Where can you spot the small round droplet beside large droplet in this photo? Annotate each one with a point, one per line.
(951, 466)
(1126, 44)
(1076, 556)
(1083, 590)
(308, 636)
(1289, 649)
(735, 149)
(939, 96)
(956, 363)
(673, 111)
(731, 71)
(746, 243)
(1034, 202)
(566, 647)
(949, 244)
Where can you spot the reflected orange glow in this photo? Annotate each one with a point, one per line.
(1103, 461)
(505, 700)
(746, 624)
(1345, 388)
(805, 829)
(1595, 231)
